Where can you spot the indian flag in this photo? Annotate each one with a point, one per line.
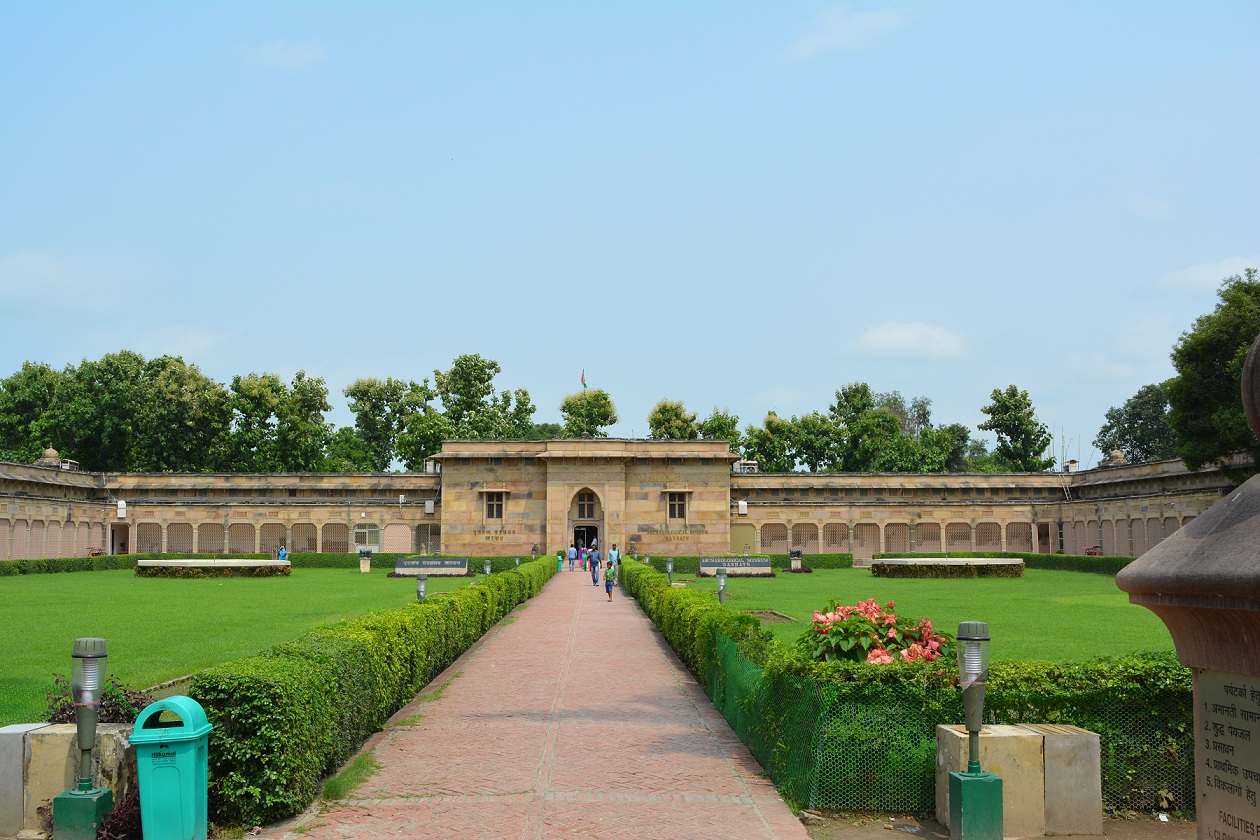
(584, 379)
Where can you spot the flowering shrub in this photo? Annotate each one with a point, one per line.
(867, 632)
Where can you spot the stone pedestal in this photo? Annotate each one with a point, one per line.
(40, 761)
(1204, 583)
(1051, 776)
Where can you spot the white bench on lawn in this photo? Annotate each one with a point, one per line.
(926, 560)
(210, 563)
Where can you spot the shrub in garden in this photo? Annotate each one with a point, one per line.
(867, 632)
(119, 703)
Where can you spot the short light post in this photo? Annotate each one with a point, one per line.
(721, 578)
(422, 586)
(533, 552)
(77, 813)
(669, 569)
(518, 559)
(487, 566)
(975, 797)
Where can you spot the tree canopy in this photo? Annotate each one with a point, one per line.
(1205, 404)
(589, 411)
(1140, 428)
(670, 420)
(1021, 439)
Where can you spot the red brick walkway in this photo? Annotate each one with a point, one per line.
(573, 719)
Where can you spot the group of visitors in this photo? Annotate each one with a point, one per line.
(589, 558)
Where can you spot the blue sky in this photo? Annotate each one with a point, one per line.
(735, 204)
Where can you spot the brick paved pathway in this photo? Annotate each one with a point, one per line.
(574, 719)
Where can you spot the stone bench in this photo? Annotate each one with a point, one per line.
(929, 560)
(210, 563)
(1051, 776)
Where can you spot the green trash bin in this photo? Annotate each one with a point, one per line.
(171, 738)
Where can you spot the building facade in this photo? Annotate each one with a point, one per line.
(675, 498)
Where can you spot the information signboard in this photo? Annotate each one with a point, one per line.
(431, 566)
(736, 566)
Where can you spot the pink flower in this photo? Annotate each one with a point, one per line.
(879, 656)
(892, 632)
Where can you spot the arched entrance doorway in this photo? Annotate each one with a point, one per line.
(586, 518)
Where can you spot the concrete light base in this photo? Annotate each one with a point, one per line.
(975, 806)
(1051, 775)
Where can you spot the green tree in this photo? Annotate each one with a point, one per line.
(958, 441)
(545, 431)
(256, 399)
(670, 420)
(1021, 440)
(301, 430)
(24, 398)
(381, 411)
(92, 417)
(722, 425)
(347, 452)
(1205, 397)
(1140, 428)
(914, 417)
(472, 407)
(183, 420)
(814, 441)
(770, 444)
(589, 411)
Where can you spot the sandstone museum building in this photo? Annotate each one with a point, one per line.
(673, 498)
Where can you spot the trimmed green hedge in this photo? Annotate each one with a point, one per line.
(291, 715)
(942, 570)
(689, 620)
(1058, 562)
(187, 572)
(691, 565)
(852, 736)
(104, 562)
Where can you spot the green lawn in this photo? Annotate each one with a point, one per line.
(161, 628)
(1057, 616)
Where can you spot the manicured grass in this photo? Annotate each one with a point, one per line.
(1050, 615)
(161, 628)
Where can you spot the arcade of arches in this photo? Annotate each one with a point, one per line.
(654, 497)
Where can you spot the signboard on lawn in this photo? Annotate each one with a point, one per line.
(431, 566)
(736, 566)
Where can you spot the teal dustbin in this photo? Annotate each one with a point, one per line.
(171, 738)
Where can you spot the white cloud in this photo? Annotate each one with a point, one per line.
(840, 29)
(41, 276)
(1146, 207)
(194, 344)
(1208, 276)
(287, 56)
(913, 339)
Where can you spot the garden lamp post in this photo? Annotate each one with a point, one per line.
(669, 568)
(533, 552)
(487, 566)
(77, 813)
(721, 577)
(422, 586)
(518, 559)
(975, 797)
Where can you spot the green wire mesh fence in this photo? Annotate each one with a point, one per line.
(872, 747)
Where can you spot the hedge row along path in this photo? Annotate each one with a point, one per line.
(573, 720)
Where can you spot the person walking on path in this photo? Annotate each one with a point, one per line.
(609, 575)
(614, 561)
(594, 567)
(572, 556)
